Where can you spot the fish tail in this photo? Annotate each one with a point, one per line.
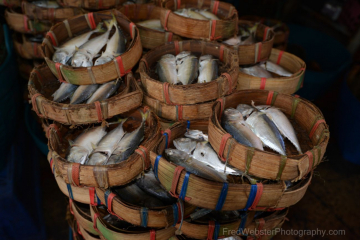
(99, 28)
(110, 23)
(144, 115)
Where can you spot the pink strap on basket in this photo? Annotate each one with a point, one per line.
(258, 48)
(90, 17)
(144, 153)
(152, 234)
(170, 36)
(166, 19)
(98, 111)
(52, 38)
(212, 31)
(75, 173)
(211, 230)
(177, 48)
(26, 26)
(266, 33)
(279, 57)
(92, 196)
(96, 215)
(178, 4)
(269, 98)
(120, 66)
(221, 100)
(263, 83)
(259, 192)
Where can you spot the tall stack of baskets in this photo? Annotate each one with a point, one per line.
(252, 206)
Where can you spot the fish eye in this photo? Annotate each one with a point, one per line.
(202, 154)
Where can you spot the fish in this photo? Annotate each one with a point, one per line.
(84, 144)
(266, 130)
(196, 135)
(166, 69)
(185, 144)
(83, 92)
(65, 91)
(234, 41)
(209, 15)
(132, 194)
(256, 71)
(65, 52)
(251, 31)
(200, 213)
(282, 123)
(181, 56)
(234, 124)
(152, 24)
(46, 4)
(208, 69)
(114, 47)
(275, 68)
(104, 91)
(129, 143)
(206, 154)
(190, 14)
(187, 69)
(107, 145)
(83, 57)
(245, 110)
(149, 184)
(193, 165)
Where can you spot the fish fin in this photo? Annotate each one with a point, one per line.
(71, 142)
(93, 146)
(144, 115)
(76, 48)
(99, 28)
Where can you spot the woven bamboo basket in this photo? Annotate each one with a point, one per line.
(82, 216)
(109, 232)
(192, 93)
(106, 175)
(49, 14)
(156, 217)
(307, 120)
(257, 52)
(209, 194)
(150, 38)
(211, 30)
(92, 4)
(202, 231)
(26, 49)
(79, 233)
(10, 3)
(287, 85)
(121, 65)
(21, 23)
(43, 84)
(280, 37)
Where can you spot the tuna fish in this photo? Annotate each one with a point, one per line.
(65, 91)
(185, 144)
(83, 92)
(256, 71)
(187, 69)
(166, 69)
(104, 91)
(208, 69)
(275, 68)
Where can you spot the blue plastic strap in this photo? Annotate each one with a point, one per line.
(242, 224)
(188, 124)
(175, 213)
(216, 230)
(184, 186)
(70, 191)
(106, 195)
(144, 216)
(98, 200)
(156, 166)
(222, 197)
(251, 197)
(166, 139)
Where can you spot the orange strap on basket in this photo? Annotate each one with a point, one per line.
(212, 30)
(98, 111)
(152, 234)
(311, 160)
(266, 33)
(132, 30)
(271, 98)
(179, 112)
(26, 25)
(259, 192)
(91, 21)
(258, 48)
(221, 100)
(211, 230)
(262, 83)
(38, 75)
(144, 153)
(175, 181)
(169, 36)
(221, 54)
(224, 139)
(75, 170)
(52, 37)
(58, 67)
(96, 215)
(316, 125)
(229, 79)
(177, 48)
(215, 7)
(34, 104)
(120, 67)
(166, 93)
(279, 57)
(166, 19)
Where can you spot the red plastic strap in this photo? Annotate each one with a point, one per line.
(269, 98)
(51, 13)
(215, 7)
(224, 139)
(316, 125)
(259, 192)
(132, 29)
(144, 60)
(266, 31)
(152, 234)
(109, 202)
(70, 206)
(279, 57)
(75, 170)
(302, 69)
(91, 20)
(168, 131)
(211, 230)
(93, 202)
(126, 11)
(52, 37)
(166, 19)
(311, 159)
(166, 93)
(177, 48)
(170, 36)
(221, 100)
(179, 112)
(221, 55)
(229, 79)
(78, 228)
(58, 70)
(120, 64)
(33, 101)
(297, 96)
(96, 215)
(50, 127)
(98, 111)
(212, 33)
(261, 222)
(175, 181)
(26, 26)
(263, 83)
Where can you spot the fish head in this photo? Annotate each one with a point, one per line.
(185, 144)
(233, 114)
(81, 60)
(78, 155)
(102, 60)
(205, 57)
(245, 109)
(181, 56)
(61, 56)
(197, 135)
(176, 155)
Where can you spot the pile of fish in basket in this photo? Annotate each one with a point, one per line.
(188, 139)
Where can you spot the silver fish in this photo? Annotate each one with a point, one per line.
(166, 69)
(46, 4)
(187, 69)
(107, 146)
(104, 91)
(234, 41)
(65, 91)
(129, 143)
(181, 56)
(209, 15)
(234, 124)
(208, 69)
(282, 123)
(256, 71)
(196, 135)
(152, 24)
(245, 110)
(83, 92)
(193, 165)
(275, 68)
(65, 52)
(85, 144)
(185, 144)
(190, 14)
(206, 154)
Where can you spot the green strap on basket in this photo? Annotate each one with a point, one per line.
(294, 106)
(281, 167)
(249, 156)
(319, 154)
(324, 133)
